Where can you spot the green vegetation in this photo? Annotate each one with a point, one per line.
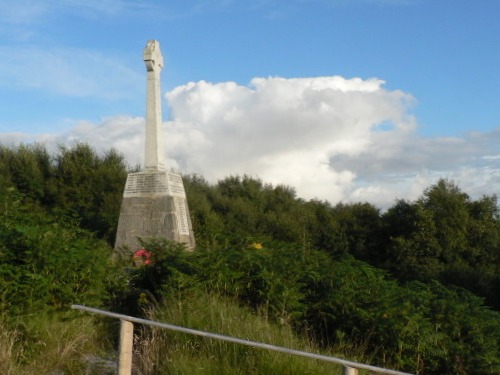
(167, 352)
(414, 288)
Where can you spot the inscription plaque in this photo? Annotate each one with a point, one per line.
(176, 187)
(182, 216)
(144, 184)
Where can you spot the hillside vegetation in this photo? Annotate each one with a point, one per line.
(414, 288)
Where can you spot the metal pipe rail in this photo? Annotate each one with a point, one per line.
(126, 344)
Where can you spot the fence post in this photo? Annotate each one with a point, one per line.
(349, 371)
(126, 347)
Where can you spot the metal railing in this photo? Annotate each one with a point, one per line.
(127, 334)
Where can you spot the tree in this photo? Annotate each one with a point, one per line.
(410, 248)
(29, 168)
(360, 225)
(449, 209)
(89, 187)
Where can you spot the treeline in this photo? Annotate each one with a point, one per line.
(405, 287)
(76, 183)
(444, 236)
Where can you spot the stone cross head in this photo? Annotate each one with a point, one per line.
(152, 56)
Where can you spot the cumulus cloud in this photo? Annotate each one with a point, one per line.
(331, 138)
(284, 130)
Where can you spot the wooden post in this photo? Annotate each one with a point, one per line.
(349, 371)
(126, 347)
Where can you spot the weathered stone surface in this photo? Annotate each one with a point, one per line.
(153, 155)
(154, 201)
(154, 205)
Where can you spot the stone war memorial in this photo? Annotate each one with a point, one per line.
(154, 201)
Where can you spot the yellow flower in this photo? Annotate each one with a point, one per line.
(257, 245)
(143, 299)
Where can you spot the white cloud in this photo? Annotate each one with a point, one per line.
(330, 138)
(22, 11)
(29, 11)
(283, 130)
(68, 71)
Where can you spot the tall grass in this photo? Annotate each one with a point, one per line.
(71, 343)
(9, 349)
(165, 352)
(49, 345)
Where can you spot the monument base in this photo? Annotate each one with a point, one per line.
(154, 205)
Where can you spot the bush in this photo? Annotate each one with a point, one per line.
(45, 265)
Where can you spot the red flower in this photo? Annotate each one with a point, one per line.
(143, 255)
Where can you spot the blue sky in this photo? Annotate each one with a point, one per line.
(72, 70)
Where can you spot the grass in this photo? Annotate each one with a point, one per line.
(166, 352)
(46, 344)
(72, 343)
(9, 354)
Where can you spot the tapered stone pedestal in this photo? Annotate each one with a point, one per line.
(154, 206)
